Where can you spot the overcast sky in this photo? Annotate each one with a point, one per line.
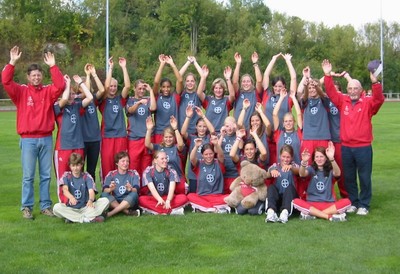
(339, 12)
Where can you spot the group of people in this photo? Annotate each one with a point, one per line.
(165, 147)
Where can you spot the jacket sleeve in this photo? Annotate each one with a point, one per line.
(377, 97)
(58, 85)
(330, 89)
(13, 89)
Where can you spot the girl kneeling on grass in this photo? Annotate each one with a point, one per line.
(321, 200)
(209, 171)
(161, 181)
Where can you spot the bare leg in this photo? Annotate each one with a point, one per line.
(118, 207)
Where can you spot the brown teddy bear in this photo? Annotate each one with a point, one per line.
(249, 187)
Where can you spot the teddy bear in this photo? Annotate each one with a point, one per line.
(249, 187)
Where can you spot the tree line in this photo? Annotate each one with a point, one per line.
(211, 30)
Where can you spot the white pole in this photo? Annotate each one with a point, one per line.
(382, 44)
(107, 35)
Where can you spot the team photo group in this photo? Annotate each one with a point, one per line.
(191, 143)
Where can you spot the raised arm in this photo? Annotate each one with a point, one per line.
(193, 153)
(65, 95)
(231, 90)
(296, 105)
(260, 146)
(179, 141)
(107, 83)
(185, 125)
(275, 112)
(330, 153)
(292, 72)
(127, 81)
(246, 105)
(202, 83)
(235, 147)
(101, 90)
(209, 125)
(264, 118)
(304, 81)
(149, 130)
(268, 69)
(157, 77)
(217, 148)
(257, 72)
(305, 157)
(236, 72)
(88, 95)
(179, 79)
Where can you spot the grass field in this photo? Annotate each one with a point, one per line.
(205, 243)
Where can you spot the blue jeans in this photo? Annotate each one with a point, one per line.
(358, 161)
(36, 150)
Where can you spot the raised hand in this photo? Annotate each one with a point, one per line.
(305, 155)
(254, 57)
(149, 123)
(49, 59)
(15, 54)
(228, 72)
(326, 67)
(238, 58)
(122, 62)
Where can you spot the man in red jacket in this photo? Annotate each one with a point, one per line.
(356, 113)
(35, 124)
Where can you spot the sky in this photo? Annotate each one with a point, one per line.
(338, 12)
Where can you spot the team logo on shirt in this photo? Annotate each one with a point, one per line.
(314, 110)
(210, 178)
(187, 96)
(73, 118)
(228, 147)
(334, 110)
(30, 102)
(346, 110)
(141, 111)
(191, 103)
(166, 105)
(285, 183)
(160, 187)
(122, 189)
(320, 186)
(213, 102)
(217, 110)
(90, 109)
(273, 105)
(288, 141)
(115, 108)
(77, 194)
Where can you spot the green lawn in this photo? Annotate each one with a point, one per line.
(205, 243)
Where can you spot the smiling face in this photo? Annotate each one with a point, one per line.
(208, 156)
(354, 89)
(255, 121)
(246, 83)
(35, 77)
(201, 128)
(218, 91)
(285, 158)
(161, 160)
(288, 122)
(278, 87)
(112, 90)
(190, 82)
(249, 151)
(140, 90)
(319, 159)
(123, 164)
(168, 139)
(312, 89)
(165, 88)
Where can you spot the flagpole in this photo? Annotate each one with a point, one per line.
(107, 35)
(382, 44)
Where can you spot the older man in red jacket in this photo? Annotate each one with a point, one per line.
(35, 124)
(356, 113)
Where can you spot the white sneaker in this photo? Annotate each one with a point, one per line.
(362, 211)
(222, 211)
(178, 211)
(271, 216)
(306, 216)
(351, 209)
(338, 217)
(283, 217)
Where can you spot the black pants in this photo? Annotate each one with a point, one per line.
(281, 201)
(92, 152)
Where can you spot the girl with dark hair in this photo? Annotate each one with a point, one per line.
(209, 195)
(167, 101)
(321, 201)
